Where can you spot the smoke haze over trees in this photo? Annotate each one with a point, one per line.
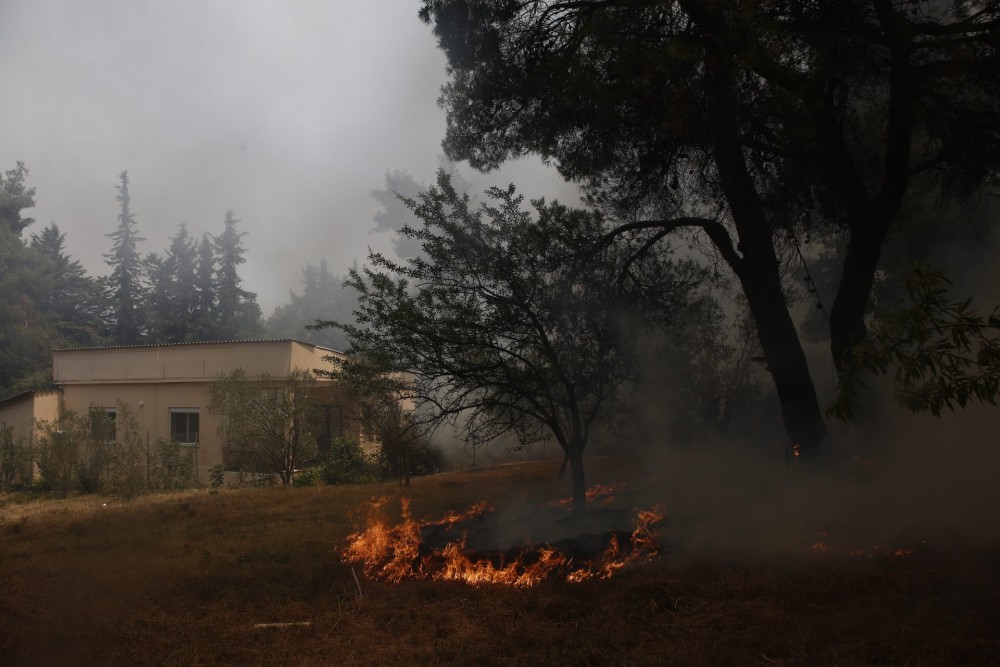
(191, 292)
(741, 141)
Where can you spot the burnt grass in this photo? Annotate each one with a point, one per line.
(186, 579)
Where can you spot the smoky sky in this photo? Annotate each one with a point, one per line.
(289, 113)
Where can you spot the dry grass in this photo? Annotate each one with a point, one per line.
(182, 579)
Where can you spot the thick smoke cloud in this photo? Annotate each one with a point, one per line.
(288, 113)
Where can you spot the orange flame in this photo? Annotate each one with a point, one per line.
(394, 553)
(603, 492)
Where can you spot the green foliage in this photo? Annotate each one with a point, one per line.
(58, 450)
(128, 272)
(943, 353)
(15, 458)
(267, 423)
(777, 116)
(172, 465)
(346, 463)
(174, 298)
(15, 196)
(508, 321)
(217, 476)
(237, 312)
(324, 297)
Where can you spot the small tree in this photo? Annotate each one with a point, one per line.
(59, 449)
(492, 327)
(268, 423)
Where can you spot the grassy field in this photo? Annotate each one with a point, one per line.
(188, 579)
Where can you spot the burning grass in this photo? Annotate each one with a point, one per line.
(441, 550)
(256, 577)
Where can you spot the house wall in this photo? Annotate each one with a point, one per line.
(154, 380)
(151, 404)
(21, 412)
(183, 362)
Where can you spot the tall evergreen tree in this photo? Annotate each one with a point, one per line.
(25, 333)
(323, 298)
(203, 323)
(75, 301)
(238, 315)
(126, 282)
(174, 299)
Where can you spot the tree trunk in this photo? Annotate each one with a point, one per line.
(847, 316)
(759, 270)
(562, 466)
(575, 456)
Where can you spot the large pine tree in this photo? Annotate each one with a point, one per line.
(203, 325)
(174, 296)
(126, 282)
(238, 315)
(25, 334)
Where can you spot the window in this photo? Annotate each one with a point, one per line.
(103, 423)
(330, 425)
(184, 425)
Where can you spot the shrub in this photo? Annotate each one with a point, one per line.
(347, 463)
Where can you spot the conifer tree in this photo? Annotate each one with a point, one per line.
(238, 315)
(175, 298)
(126, 283)
(203, 323)
(75, 302)
(25, 336)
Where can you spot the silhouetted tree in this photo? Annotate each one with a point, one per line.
(126, 282)
(25, 333)
(237, 312)
(323, 297)
(738, 121)
(75, 302)
(492, 327)
(204, 326)
(174, 291)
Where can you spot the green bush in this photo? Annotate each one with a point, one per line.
(347, 463)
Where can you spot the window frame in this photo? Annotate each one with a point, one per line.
(197, 432)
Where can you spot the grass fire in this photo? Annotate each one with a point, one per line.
(258, 576)
(462, 546)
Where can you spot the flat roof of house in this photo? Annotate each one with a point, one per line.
(29, 392)
(197, 342)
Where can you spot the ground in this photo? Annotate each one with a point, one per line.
(187, 578)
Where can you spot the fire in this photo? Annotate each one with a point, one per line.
(397, 552)
(599, 492)
(822, 545)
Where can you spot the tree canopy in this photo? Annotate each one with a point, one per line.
(738, 121)
(493, 326)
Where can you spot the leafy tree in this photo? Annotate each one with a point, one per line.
(944, 353)
(268, 424)
(15, 196)
(491, 327)
(57, 452)
(737, 121)
(237, 312)
(395, 215)
(126, 282)
(323, 297)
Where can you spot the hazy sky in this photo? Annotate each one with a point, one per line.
(287, 111)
